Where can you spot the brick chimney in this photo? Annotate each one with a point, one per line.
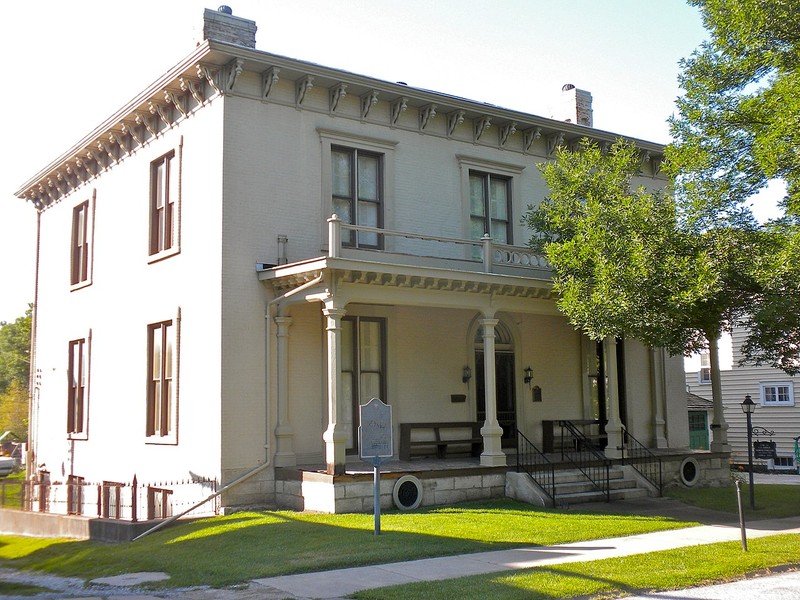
(220, 25)
(575, 106)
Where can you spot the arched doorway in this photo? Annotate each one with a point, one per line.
(505, 382)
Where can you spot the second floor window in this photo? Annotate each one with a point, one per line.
(77, 375)
(79, 272)
(490, 207)
(705, 368)
(161, 382)
(777, 394)
(163, 197)
(358, 193)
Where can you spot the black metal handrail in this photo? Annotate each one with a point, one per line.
(641, 458)
(533, 461)
(585, 457)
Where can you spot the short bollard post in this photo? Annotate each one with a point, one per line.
(741, 514)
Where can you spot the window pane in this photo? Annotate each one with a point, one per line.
(370, 387)
(342, 209)
(499, 232)
(368, 215)
(341, 162)
(478, 228)
(499, 199)
(367, 177)
(170, 343)
(156, 358)
(347, 345)
(476, 203)
(370, 334)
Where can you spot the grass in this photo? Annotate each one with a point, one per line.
(610, 578)
(222, 551)
(225, 550)
(8, 588)
(772, 501)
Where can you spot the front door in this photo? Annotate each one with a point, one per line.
(506, 397)
(698, 430)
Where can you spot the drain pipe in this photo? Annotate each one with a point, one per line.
(268, 460)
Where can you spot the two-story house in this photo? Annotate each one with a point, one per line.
(254, 246)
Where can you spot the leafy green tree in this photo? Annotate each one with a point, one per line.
(15, 346)
(627, 263)
(737, 129)
(14, 410)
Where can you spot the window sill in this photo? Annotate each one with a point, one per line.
(80, 285)
(166, 440)
(83, 436)
(154, 258)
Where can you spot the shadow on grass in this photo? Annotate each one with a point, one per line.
(226, 550)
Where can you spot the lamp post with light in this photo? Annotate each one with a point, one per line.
(748, 408)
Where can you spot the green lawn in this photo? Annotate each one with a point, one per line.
(772, 501)
(225, 550)
(611, 578)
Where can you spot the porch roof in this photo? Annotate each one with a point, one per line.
(337, 270)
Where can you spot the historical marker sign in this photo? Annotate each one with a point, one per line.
(765, 450)
(375, 432)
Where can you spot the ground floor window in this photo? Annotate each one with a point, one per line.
(159, 503)
(75, 495)
(363, 367)
(111, 500)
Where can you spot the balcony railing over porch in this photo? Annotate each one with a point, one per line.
(482, 256)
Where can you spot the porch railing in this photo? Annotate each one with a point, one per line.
(484, 253)
(641, 458)
(533, 462)
(585, 457)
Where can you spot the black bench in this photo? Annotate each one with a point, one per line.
(439, 437)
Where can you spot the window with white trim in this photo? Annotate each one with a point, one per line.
(704, 375)
(490, 206)
(78, 390)
(777, 393)
(82, 244)
(162, 381)
(358, 193)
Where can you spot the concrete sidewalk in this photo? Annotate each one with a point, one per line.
(343, 582)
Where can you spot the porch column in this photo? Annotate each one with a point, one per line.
(657, 360)
(719, 427)
(491, 431)
(284, 433)
(335, 437)
(614, 426)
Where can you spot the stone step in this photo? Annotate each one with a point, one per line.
(627, 493)
(586, 486)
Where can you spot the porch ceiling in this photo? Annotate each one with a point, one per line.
(343, 271)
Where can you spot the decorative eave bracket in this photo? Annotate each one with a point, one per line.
(480, 125)
(426, 115)
(368, 100)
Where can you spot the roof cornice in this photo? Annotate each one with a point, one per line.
(214, 68)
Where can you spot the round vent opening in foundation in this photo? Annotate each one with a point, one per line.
(690, 471)
(407, 492)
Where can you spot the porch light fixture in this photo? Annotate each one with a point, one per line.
(466, 374)
(528, 375)
(748, 408)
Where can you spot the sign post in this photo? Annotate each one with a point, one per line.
(375, 445)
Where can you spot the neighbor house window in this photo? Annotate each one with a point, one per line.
(112, 499)
(358, 193)
(161, 384)
(490, 206)
(77, 392)
(82, 241)
(163, 202)
(704, 375)
(777, 394)
(159, 503)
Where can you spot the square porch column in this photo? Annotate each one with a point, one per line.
(614, 425)
(284, 433)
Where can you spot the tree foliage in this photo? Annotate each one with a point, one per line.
(625, 265)
(15, 345)
(737, 129)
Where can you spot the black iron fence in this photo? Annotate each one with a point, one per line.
(580, 451)
(125, 501)
(641, 458)
(532, 461)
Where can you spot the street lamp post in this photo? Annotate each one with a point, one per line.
(748, 408)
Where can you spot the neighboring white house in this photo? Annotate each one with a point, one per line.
(772, 390)
(255, 245)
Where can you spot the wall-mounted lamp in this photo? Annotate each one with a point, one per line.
(528, 375)
(466, 374)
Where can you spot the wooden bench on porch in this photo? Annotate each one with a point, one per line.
(439, 436)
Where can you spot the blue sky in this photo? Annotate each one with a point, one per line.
(70, 65)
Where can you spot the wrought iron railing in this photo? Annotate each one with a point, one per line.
(532, 461)
(580, 451)
(641, 458)
(125, 501)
